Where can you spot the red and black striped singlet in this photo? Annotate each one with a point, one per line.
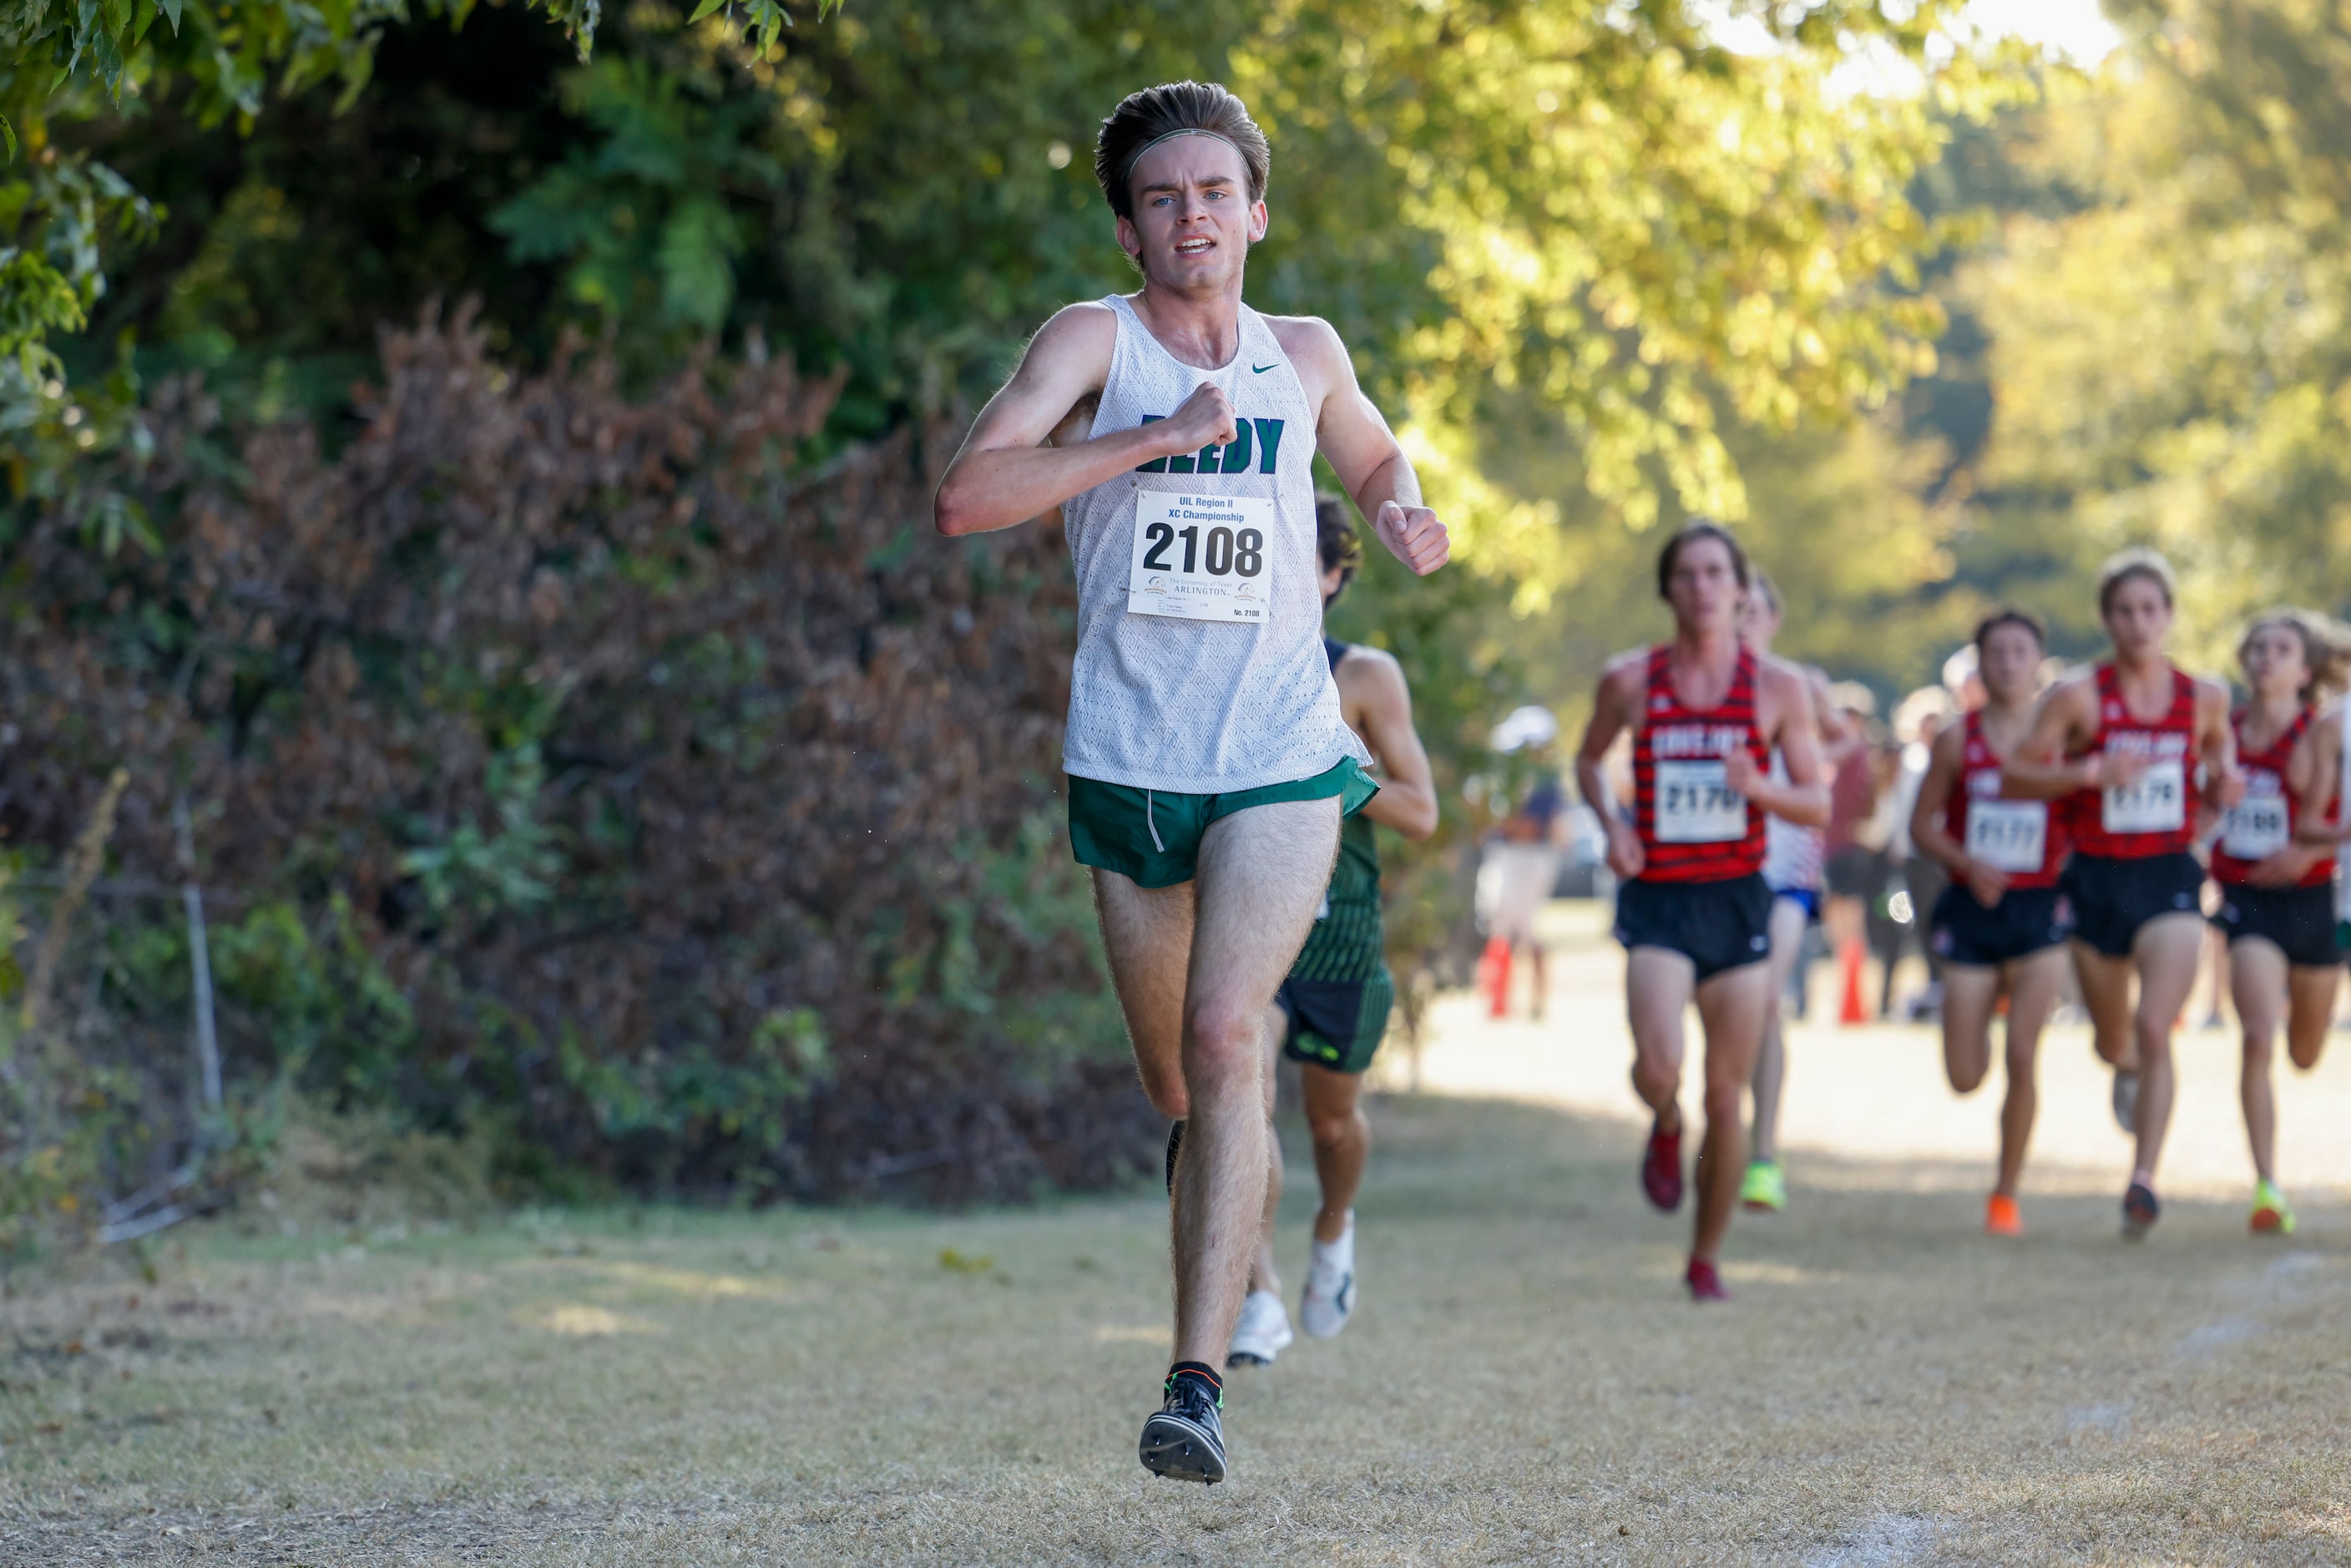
(2003, 830)
(1692, 828)
(2156, 816)
(2264, 822)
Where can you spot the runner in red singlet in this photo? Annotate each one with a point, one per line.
(2123, 746)
(1693, 912)
(2001, 924)
(2277, 890)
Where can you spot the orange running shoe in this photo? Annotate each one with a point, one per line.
(2001, 1217)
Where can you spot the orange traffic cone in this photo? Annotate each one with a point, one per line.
(1496, 968)
(1849, 961)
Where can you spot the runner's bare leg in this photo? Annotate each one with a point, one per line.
(1658, 986)
(1971, 996)
(1342, 1143)
(2165, 953)
(2106, 996)
(1261, 876)
(2257, 976)
(1730, 1007)
(1263, 1275)
(2310, 1012)
(1148, 935)
(2032, 986)
(1788, 923)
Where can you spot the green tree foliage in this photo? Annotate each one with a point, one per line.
(2171, 354)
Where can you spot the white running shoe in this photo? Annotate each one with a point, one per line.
(1330, 1296)
(1262, 1332)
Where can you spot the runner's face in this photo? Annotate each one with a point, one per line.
(2275, 665)
(2010, 662)
(1704, 587)
(1194, 221)
(1761, 623)
(2137, 616)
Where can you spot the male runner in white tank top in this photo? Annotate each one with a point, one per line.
(1210, 766)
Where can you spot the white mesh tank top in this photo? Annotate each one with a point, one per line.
(1203, 706)
(1793, 853)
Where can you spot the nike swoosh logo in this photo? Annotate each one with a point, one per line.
(1260, 369)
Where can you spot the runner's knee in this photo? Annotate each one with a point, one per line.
(1332, 1129)
(1654, 1080)
(1222, 1041)
(1725, 1102)
(1165, 1093)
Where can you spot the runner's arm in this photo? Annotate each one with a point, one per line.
(1353, 436)
(2321, 782)
(1803, 799)
(1376, 689)
(1841, 735)
(1619, 692)
(1027, 454)
(2216, 744)
(2040, 769)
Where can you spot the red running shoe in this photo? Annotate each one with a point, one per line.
(1661, 1169)
(1705, 1284)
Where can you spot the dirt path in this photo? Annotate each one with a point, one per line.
(1523, 1384)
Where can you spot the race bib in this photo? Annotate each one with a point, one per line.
(2156, 803)
(1695, 805)
(1200, 557)
(2008, 835)
(2256, 827)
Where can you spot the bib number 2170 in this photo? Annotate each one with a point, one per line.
(1200, 557)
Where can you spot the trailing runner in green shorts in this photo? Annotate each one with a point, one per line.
(1333, 1007)
(1339, 992)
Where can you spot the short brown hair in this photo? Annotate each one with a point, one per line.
(1336, 541)
(2138, 562)
(2009, 615)
(1170, 109)
(1688, 534)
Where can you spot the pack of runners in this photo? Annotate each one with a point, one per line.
(1227, 760)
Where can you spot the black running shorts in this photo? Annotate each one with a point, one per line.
(1337, 1024)
(1717, 926)
(2026, 920)
(2114, 897)
(2299, 920)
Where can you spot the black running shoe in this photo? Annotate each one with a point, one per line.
(1186, 1440)
(1174, 1141)
(2140, 1211)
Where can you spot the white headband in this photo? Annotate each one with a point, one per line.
(1128, 174)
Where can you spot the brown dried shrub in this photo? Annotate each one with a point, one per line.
(574, 763)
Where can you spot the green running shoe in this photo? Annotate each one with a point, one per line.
(2272, 1216)
(1766, 1185)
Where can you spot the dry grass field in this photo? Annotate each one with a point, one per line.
(1523, 1384)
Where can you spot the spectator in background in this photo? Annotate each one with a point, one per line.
(1917, 722)
(1855, 873)
(1522, 862)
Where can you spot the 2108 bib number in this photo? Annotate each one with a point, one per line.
(1200, 557)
